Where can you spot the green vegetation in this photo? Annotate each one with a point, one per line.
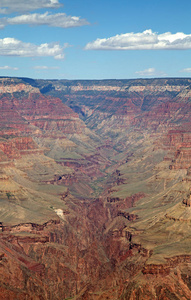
(9, 195)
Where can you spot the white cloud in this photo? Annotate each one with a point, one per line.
(8, 6)
(3, 11)
(186, 70)
(45, 68)
(150, 72)
(13, 47)
(55, 20)
(8, 68)
(146, 40)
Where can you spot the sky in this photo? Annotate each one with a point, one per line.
(102, 39)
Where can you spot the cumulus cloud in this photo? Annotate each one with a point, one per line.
(14, 47)
(8, 6)
(186, 70)
(150, 72)
(146, 40)
(54, 20)
(8, 68)
(45, 68)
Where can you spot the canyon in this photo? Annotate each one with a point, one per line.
(95, 189)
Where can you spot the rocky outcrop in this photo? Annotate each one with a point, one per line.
(187, 201)
(156, 270)
(128, 216)
(11, 86)
(65, 179)
(28, 227)
(24, 107)
(16, 147)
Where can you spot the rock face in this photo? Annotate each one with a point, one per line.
(95, 189)
(42, 112)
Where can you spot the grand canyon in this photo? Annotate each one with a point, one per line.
(95, 189)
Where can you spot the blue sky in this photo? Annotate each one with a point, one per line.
(86, 39)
